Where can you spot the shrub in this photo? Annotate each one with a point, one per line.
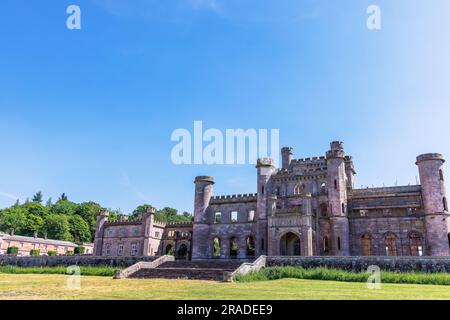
(35, 252)
(275, 273)
(80, 250)
(52, 253)
(69, 253)
(85, 271)
(12, 250)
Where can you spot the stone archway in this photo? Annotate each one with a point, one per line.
(290, 245)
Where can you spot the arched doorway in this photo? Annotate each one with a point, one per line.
(216, 248)
(182, 251)
(169, 249)
(233, 247)
(366, 245)
(290, 245)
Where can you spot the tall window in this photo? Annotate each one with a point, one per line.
(108, 249)
(234, 216)
(323, 209)
(216, 247)
(448, 236)
(250, 246)
(415, 244)
(441, 175)
(335, 184)
(251, 215)
(120, 250)
(298, 190)
(325, 245)
(133, 249)
(218, 217)
(343, 208)
(391, 246)
(366, 245)
(444, 200)
(339, 243)
(233, 247)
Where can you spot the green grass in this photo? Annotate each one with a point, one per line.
(85, 271)
(275, 273)
(54, 287)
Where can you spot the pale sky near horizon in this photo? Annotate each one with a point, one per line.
(90, 112)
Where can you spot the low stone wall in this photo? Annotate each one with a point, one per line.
(402, 264)
(64, 261)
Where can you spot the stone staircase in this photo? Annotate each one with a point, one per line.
(216, 270)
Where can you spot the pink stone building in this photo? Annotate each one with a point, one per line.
(26, 244)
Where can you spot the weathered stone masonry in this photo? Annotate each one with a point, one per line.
(308, 207)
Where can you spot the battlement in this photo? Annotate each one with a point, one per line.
(386, 191)
(204, 179)
(179, 224)
(234, 198)
(265, 162)
(430, 156)
(308, 160)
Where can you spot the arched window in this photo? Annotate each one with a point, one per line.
(182, 251)
(323, 209)
(366, 245)
(441, 175)
(335, 184)
(444, 200)
(250, 241)
(415, 244)
(216, 247)
(343, 208)
(169, 249)
(298, 189)
(391, 245)
(233, 247)
(325, 245)
(218, 217)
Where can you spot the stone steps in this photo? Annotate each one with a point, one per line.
(192, 270)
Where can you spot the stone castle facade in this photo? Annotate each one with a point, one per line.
(308, 207)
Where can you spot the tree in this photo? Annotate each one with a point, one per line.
(37, 197)
(17, 203)
(33, 225)
(12, 219)
(63, 197)
(64, 207)
(139, 211)
(49, 202)
(34, 208)
(79, 229)
(89, 211)
(57, 227)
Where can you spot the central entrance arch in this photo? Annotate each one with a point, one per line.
(290, 245)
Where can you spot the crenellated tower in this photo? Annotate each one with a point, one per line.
(265, 168)
(200, 240)
(286, 157)
(337, 199)
(434, 197)
(102, 217)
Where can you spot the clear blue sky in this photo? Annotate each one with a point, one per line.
(90, 112)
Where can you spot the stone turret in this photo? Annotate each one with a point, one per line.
(286, 157)
(203, 194)
(434, 196)
(148, 220)
(337, 199)
(265, 168)
(102, 218)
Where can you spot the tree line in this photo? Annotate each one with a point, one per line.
(67, 220)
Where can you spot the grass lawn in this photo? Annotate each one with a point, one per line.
(20, 286)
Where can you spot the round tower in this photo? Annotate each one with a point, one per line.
(435, 205)
(265, 168)
(337, 200)
(201, 246)
(102, 218)
(286, 157)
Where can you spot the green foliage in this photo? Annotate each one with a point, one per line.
(139, 211)
(79, 229)
(63, 207)
(89, 211)
(69, 253)
(57, 227)
(275, 273)
(37, 197)
(63, 197)
(35, 252)
(12, 250)
(80, 250)
(12, 219)
(52, 253)
(85, 271)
